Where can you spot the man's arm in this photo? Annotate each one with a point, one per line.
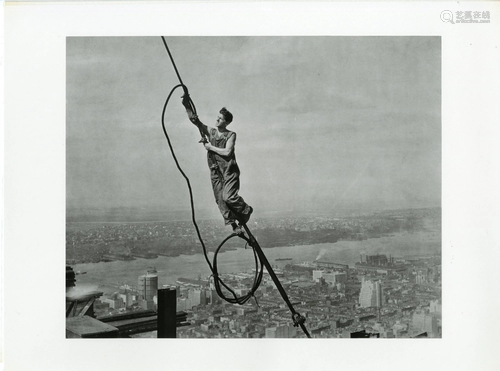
(192, 116)
(227, 151)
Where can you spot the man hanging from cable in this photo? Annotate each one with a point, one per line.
(224, 171)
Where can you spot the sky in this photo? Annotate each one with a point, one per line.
(322, 123)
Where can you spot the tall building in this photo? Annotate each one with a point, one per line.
(148, 285)
(128, 298)
(213, 297)
(197, 297)
(422, 321)
(371, 294)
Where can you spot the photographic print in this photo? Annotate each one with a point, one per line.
(250, 185)
(253, 187)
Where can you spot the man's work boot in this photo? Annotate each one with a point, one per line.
(244, 218)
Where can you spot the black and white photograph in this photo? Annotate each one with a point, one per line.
(323, 154)
(250, 185)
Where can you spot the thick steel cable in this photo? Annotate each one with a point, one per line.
(173, 62)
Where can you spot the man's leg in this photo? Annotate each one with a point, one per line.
(235, 202)
(217, 187)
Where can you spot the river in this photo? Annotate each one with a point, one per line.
(106, 276)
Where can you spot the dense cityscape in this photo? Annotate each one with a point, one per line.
(399, 299)
(380, 296)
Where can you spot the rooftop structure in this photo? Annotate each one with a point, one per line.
(380, 264)
(371, 294)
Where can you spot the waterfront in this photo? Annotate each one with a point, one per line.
(107, 276)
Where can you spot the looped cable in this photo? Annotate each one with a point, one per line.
(219, 284)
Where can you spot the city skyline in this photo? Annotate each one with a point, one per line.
(322, 122)
(338, 301)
